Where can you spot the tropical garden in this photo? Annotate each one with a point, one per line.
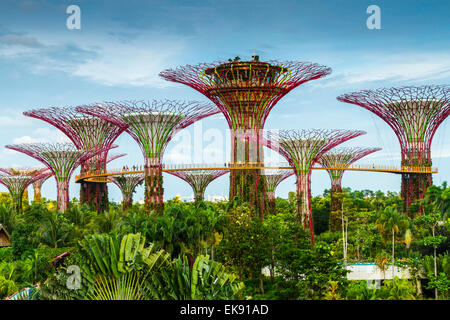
(216, 250)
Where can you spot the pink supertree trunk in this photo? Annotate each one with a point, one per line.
(304, 210)
(127, 201)
(62, 195)
(153, 185)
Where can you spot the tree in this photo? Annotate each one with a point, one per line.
(391, 221)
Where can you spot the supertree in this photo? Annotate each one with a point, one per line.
(23, 172)
(273, 179)
(245, 92)
(414, 113)
(199, 180)
(335, 161)
(303, 148)
(152, 125)
(37, 186)
(62, 159)
(17, 184)
(87, 133)
(127, 183)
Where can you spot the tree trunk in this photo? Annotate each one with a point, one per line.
(393, 261)
(62, 196)
(436, 295)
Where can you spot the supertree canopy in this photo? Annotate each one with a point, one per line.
(62, 159)
(114, 156)
(303, 148)
(87, 133)
(199, 180)
(414, 113)
(273, 179)
(17, 184)
(335, 161)
(245, 92)
(152, 125)
(127, 183)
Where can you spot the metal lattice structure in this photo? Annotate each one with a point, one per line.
(273, 179)
(199, 180)
(18, 182)
(114, 156)
(245, 92)
(62, 159)
(343, 157)
(127, 183)
(152, 125)
(303, 148)
(86, 133)
(414, 113)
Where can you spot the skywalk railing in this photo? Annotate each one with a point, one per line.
(96, 174)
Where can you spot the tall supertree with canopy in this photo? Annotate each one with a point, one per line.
(273, 179)
(152, 125)
(303, 148)
(245, 92)
(414, 113)
(17, 184)
(335, 161)
(62, 159)
(199, 180)
(86, 133)
(127, 183)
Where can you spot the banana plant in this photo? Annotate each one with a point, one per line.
(208, 280)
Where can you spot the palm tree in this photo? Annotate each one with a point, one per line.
(392, 222)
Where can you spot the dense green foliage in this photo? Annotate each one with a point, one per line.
(222, 251)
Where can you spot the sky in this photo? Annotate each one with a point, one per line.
(122, 46)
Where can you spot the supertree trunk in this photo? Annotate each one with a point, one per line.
(62, 195)
(413, 188)
(271, 202)
(335, 222)
(37, 193)
(154, 186)
(17, 202)
(94, 194)
(199, 196)
(127, 201)
(304, 200)
(248, 184)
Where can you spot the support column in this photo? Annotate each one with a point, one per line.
(153, 186)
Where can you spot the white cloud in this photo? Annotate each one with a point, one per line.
(25, 139)
(406, 67)
(125, 65)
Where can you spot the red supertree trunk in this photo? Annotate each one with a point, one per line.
(62, 196)
(153, 185)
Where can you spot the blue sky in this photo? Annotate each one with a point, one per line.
(123, 45)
